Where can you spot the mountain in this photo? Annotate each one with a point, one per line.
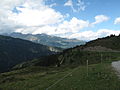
(48, 40)
(70, 67)
(14, 51)
(95, 51)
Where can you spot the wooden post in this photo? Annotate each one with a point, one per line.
(87, 67)
(101, 58)
(110, 57)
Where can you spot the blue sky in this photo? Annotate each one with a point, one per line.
(93, 8)
(81, 19)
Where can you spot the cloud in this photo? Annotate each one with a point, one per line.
(81, 5)
(31, 14)
(100, 19)
(69, 3)
(73, 26)
(7, 6)
(52, 5)
(34, 17)
(76, 7)
(91, 35)
(117, 20)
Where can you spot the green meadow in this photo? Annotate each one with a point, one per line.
(94, 77)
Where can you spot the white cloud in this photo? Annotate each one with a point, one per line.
(73, 26)
(69, 3)
(117, 20)
(35, 17)
(81, 5)
(31, 17)
(78, 6)
(100, 19)
(91, 35)
(52, 5)
(32, 14)
(7, 6)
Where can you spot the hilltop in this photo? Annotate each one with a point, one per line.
(111, 42)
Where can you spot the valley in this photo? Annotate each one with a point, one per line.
(84, 67)
(60, 45)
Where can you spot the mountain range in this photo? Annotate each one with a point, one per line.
(48, 40)
(107, 48)
(16, 48)
(34, 65)
(14, 51)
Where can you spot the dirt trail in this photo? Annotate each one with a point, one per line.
(116, 66)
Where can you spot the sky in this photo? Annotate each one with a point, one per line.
(80, 19)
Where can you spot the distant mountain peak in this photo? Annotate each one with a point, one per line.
(48, 40)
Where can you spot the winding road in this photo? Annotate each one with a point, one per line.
(116, 66)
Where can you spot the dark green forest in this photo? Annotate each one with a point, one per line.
(14, 51)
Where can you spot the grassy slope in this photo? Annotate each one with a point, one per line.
(100, 77)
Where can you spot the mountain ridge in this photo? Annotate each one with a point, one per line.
(48, 40)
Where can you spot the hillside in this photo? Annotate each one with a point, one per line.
(100, 77)
(67, 70)
(111, 42)
(94, 51)
(48, 40)
(14, 51)
(107, 48)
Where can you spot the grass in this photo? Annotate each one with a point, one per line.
(100, 77)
